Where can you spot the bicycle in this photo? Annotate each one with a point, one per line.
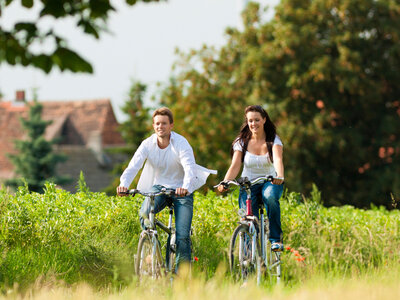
(149, 259)
(250, 249)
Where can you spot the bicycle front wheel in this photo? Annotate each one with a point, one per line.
(149, 261)
(241, 262)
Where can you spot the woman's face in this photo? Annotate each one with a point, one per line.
(255, 121)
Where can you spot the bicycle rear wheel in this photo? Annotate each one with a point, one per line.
(240, 254)
(149, 261)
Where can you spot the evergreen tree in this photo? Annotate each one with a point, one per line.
(35, 162)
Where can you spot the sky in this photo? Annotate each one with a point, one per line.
(140, 46)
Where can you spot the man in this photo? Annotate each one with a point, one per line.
(171, 164)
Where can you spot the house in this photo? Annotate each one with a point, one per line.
(84, 130)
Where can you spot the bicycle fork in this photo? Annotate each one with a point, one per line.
(156, 255)
(253, 233)
(263, 252)
(244, 243)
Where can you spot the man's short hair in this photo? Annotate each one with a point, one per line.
(164, 111)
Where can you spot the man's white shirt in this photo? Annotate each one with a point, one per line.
(172, 167)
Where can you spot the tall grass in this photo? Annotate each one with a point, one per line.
(376, 285)
(90, 237)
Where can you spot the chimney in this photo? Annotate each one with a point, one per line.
(20, 96)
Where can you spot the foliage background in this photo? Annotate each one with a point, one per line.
(326, 72)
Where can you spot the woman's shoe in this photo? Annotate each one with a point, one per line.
(277, 247)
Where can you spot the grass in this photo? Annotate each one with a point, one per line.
(89, 239)
(382, 284)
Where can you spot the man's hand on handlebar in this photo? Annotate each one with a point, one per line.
(122, 191)
(181, 192)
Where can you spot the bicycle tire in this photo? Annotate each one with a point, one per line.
(240, 250)
(149, 263)
(170, 253)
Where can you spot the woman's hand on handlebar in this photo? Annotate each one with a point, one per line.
(221, 188)
(278, 180)
(122, 191)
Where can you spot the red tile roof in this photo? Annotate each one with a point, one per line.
(73, 122)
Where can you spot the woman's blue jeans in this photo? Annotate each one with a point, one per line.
(183, 209)
(270, 195)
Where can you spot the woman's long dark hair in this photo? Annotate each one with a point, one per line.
(245, 133)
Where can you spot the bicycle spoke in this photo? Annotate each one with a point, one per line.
(149, 261)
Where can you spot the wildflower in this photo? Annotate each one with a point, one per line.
(196, 258)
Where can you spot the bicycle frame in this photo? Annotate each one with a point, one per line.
(154, 223)
(151, 235)
(250, 220)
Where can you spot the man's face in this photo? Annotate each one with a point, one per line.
(162, 126)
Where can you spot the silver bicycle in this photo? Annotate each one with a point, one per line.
(149, 258)
(250, 249)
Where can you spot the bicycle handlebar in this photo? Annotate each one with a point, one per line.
(243, 181)
(164, 191)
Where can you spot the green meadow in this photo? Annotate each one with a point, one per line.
(85, 242)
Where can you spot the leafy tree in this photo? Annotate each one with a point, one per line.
(18, 46)
(134, 130)
(36, 162)
(327, 73)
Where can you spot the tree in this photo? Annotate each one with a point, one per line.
(134, 129)
(18, 46)
(327, 73)
(36, 162)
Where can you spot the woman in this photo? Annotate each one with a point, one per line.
(260, 149)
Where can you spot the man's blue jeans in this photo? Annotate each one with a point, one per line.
(270, 195)
(183, 209)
